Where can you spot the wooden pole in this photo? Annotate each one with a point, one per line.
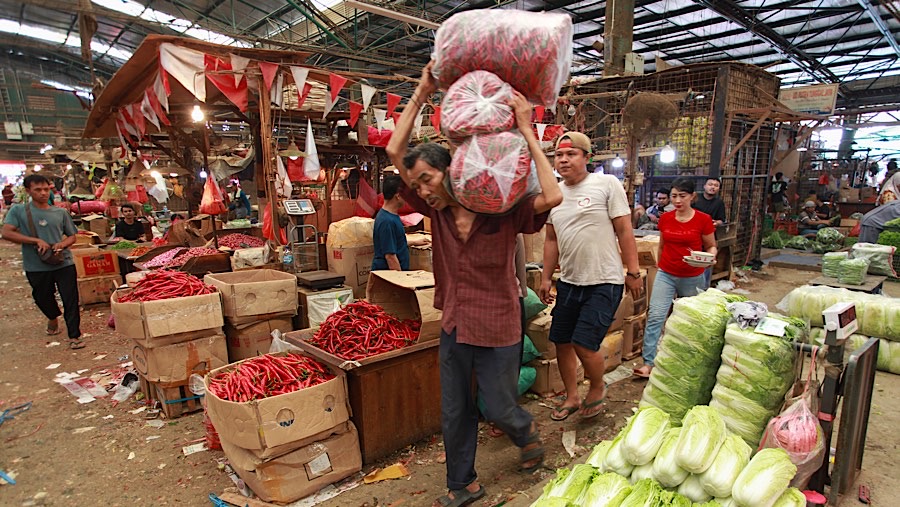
(209, 175)
(265, 141)
(631, 164)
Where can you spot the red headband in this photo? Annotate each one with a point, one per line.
(565, 143)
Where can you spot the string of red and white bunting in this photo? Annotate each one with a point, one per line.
(193, 69)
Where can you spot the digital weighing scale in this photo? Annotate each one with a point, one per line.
(303, 239)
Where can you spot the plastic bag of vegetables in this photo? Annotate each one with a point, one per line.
(798, 243)
(607, 489)
(821, 248)
(733, 456)
(797, 432)
(877, 315)
(477, 103)
(764, 479)
(880, 257)
(689, 354)
(853, 271)
(570, 484)
(665, 468)
(829, 236)
(701, 437)
(644, 435)
(831, 263)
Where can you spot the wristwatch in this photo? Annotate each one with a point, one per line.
(634, 275)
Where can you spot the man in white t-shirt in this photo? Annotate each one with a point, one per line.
(584, 235)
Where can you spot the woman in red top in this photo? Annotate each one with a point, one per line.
(681, 232)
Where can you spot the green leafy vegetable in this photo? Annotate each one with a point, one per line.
(773, 240)
(764, 479)
(733, 456)
(829, 236)
(831, 263)
(644, 434)
(890, 238)
(124, 245)
(701, 437)
(642, 472)
(793, 497)
(644, 493)
(599, 454)
(615, 461)
(665, 467)
(570, 485)
(853, 271)
(607, 489)
(692, 489)
(798, 243)
(877, 315)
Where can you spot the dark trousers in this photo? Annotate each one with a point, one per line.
(44, 285)
(496, 372)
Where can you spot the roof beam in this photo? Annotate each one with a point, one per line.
(872, 11)
(732, 11)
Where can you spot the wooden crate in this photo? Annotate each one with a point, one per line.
(174, 401)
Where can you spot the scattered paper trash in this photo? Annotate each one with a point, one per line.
(194, 448)
(621, 373)
(156, 423)
(151, 437)
(101, 356)
(725, 285)
(110, 416)
(395, 471)
(568, 441)
(54, 366)
(161, 466)
(53, 344)
(138, 410)
(131, 455)
(84, 429)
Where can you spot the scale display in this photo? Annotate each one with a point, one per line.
(299, 207)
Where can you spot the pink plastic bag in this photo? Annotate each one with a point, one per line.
(477, 103)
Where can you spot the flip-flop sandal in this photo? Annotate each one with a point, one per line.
(535, 454)
(566, 412)
(76, 343)
(595, 404)
(638, 372)
(52, 329)
(461, 497)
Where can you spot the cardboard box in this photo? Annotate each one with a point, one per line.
(317, 305)
(251, 340)
(611, 348)
(648, 250)
(849, 194)
(98, 224)
(355, 264)
(651, 279)
(279, 420)
(626, 309)
(148, 321)
(255, 291)
(849, 222)
(534, 246)
(87, 238)
(97, 289)
(301, 472)
(533, 279)
(538, 329)
(548, 380)
(640, 306)
(407, 295)
(867, 193)
(420, 258)
(174, 364)
(633, 336)
(91, 262)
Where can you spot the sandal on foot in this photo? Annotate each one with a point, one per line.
(642, 372)
(52, 328)
(535, 454)
(495, 432)
(587, 408)
(564, 411)
(460, 497)
(76, 343)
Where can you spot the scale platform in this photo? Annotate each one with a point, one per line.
(318, 280)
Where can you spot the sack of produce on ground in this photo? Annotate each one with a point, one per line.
(531, 51)
(829, 236)
(831, 263)
(489, 173)
(689, 354)
(853, 271)
(798, 243)
(764, 479)
(756, 372)
(878, 316)
(888, 351)
(477, 103)
(797, 431)
(880, 257)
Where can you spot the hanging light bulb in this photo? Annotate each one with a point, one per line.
(38, 167)
(155, 174)
(173, 175)
(69, 167)
(617, 162)
(667, 155)
(203, 174)
(571, 111)
(197, 114)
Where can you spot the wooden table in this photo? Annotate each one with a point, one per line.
(873, 283)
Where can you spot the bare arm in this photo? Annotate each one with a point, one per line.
(550, 195)
(709, 244)
(625, 235)
(398, 145)
(11, 233)
(392, 262)
(551, 261)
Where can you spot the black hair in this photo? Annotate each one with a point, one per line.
(812, 192)
(713, 178)
(390, 186)
(34, 178)
(685, 184)
(128, 206)
(432, 154)
(663, 190)
(778, 176)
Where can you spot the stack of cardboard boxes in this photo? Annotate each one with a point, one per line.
(173, 339)
(289, 446)
(317, 305)
(648, 256)
(350, 250)
(98, 274)
(256, 303)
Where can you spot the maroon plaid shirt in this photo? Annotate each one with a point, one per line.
(475, 281)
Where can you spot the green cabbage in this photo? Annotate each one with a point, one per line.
(701, 437)
(599, 454)
(643, 435)
(570, 485)
(641, 472)
(853, 271)
(711, 503)
(764, 479)
(877, 315)
(743, 416)
(733, 456)
(726, 502)
(829, 236)
(644, 493)
(880, 257)
(679, 500)
(692, 489)
(798, 243)
(665, 468)
(615, 461)
(607, 490)
(793, 497)
(552, 502)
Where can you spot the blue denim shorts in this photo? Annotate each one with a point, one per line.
(583, 314)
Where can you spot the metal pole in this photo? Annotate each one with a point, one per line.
(831, 389)
(208, 176)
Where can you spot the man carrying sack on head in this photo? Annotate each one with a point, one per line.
(46, 233)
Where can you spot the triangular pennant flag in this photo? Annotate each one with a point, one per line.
(268, 71)
(541, 127)
(239, 65)
(436, 118)
(157, 107)
(127, 122)
(396, 118)
(393, 102)
(138, 118)
(367, 93)
(218, 71)
(355, 109)
(337, 82)
(167, 88)
(538, 114)
(160, 91)
(311, 160)
(380, 116)
(148, 111)
(329, 105)
(307, 87)
(186, 66)
(300, 74)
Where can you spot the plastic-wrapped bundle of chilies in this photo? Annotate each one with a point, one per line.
(490, 173)
(477, 103)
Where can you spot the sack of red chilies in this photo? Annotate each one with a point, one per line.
(477, 103)
(212, 202)
(266, 376)
(361, 329)
(490, 173)
(531, 51)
